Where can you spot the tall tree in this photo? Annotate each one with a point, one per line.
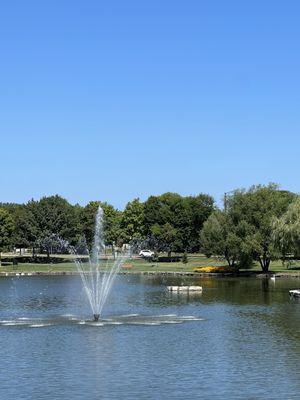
(132, 221)
(201, 207)
(286, 230)
(6, 229)
(54, 216)
(26, 230)
(112, 219)
(185, 215)
(165, 237)
(220, 236)
(257, 208)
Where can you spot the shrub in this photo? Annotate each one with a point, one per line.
(184, 258)
(213, 269)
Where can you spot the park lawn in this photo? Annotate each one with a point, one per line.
(193, 262)
(31, 267)
(200, 260)
(277, 266)
(141, 265)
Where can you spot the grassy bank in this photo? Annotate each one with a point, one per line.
(141, 265)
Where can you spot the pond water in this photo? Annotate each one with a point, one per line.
(240, 339)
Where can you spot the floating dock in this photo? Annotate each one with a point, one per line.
(185, 289)
(294, 293)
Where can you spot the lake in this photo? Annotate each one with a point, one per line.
(240, 339)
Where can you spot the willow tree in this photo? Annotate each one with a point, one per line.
(244, 231)
(220, 236)
(286, 231)
(258, 207)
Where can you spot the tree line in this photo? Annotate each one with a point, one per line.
(169, 221)
(259, 224)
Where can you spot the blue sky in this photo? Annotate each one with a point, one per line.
(113, 100)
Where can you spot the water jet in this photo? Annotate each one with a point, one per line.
(99, 273)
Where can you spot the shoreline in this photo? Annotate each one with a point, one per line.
(243, 274)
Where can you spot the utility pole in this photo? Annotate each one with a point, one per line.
(226, 199)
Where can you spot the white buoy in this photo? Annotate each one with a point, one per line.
(184, 288)
(295, 293)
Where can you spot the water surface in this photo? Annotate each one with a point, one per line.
(240, 339)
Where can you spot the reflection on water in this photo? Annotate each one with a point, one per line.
(239, 339)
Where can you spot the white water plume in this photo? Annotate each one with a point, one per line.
(98, 275)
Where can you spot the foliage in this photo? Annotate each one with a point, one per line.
(165, 236)
(221, 237)
(182, 216)
(52, 244)
(112, 219)
(168, 222)
(87, 221)
(244, 232)
(132, 221)
(286, 230)
(257, 208)
(6, 229)
(26, 230)
(259, 224)
(54, 215)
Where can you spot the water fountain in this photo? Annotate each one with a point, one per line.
(98, 275)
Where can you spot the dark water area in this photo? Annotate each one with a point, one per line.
(240, 339)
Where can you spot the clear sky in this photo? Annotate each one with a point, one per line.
(113, 100)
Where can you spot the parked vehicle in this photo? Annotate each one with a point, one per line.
(146, 253)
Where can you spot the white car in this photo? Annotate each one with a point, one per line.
(146, 253)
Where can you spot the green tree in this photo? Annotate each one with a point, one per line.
(54, 216)
(26, 230)
(6, 229)
(132, 221)
(286, 230)
(165, 237)
(201, 207)
(52, 244)
(185, 215)
(112, 220)
(221, 237)
(87, 221)
(257, 208)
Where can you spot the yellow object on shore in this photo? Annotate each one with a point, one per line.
(223, 268)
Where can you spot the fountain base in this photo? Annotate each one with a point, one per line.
(96, 317)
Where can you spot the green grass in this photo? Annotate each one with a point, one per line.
(193, 262)
(276, 266)
(30, 267)
(140, 265)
